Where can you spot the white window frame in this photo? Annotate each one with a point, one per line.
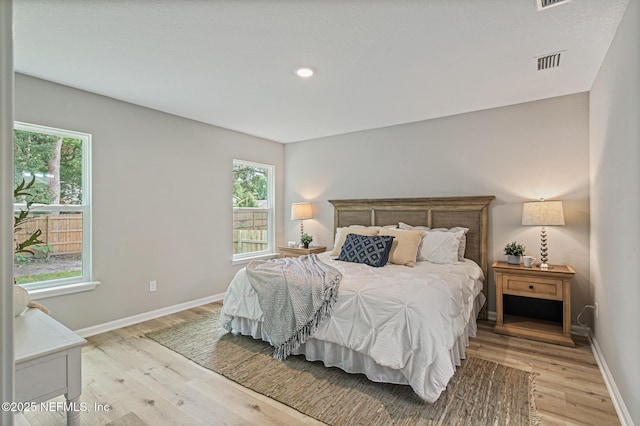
(84, 282)
(270, 250)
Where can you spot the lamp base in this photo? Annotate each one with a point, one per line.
(543, 249)
(545, 266)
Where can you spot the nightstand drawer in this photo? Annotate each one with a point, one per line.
(46, 376)
(541, 288)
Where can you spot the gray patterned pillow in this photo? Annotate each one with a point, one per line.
(370, 250)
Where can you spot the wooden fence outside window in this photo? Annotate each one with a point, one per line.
(249, 231)
(62, 233)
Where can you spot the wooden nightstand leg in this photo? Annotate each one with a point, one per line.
(499, 300)
(566, 306)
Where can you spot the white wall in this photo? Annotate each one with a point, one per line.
(162, 189)
(615, 203)
(517, 153)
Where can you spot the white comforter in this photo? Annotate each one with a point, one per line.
(405, 319)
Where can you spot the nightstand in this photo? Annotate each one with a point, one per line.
(551, 289)
(295, 251)
(47, 362)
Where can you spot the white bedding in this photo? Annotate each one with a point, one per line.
(395, 324)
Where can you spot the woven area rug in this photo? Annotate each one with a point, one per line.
(480, 393)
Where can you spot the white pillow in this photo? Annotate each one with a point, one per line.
(441, 247)
(402, 225)
(463, 238)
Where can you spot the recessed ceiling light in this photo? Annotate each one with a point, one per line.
(305, 72)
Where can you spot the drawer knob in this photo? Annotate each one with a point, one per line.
(530, 287)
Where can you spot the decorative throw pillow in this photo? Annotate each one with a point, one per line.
(370, 250)
(341, 235)
(405, 246)
(441, 247)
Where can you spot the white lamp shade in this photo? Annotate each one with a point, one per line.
(543, 213)
(301, 211)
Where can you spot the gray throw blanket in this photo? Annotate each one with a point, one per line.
(295, 294)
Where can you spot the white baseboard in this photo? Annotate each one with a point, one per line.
(623, 414)
(135, 319)
(491, 316)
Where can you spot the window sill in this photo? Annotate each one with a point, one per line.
(246, 260)
(44, 293)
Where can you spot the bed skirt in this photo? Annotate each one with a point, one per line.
(334, 355)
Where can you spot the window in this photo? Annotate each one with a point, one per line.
(253, 209)
(58, 163)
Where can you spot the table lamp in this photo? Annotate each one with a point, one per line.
(543, 213)
(301, 211)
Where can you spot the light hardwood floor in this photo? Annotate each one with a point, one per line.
(143, 383)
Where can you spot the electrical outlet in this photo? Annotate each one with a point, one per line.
(153, 286)
(597, 310)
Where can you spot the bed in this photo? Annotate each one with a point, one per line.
(395, 324)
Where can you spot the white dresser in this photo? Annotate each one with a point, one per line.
(48, 362)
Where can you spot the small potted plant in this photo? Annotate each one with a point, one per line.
(305, 239)
(514, 251)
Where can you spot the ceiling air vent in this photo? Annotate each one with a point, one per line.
(545, 4)
(548, 61)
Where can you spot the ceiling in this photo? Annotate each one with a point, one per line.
(378, 62)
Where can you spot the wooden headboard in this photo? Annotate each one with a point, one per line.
(441, 212)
